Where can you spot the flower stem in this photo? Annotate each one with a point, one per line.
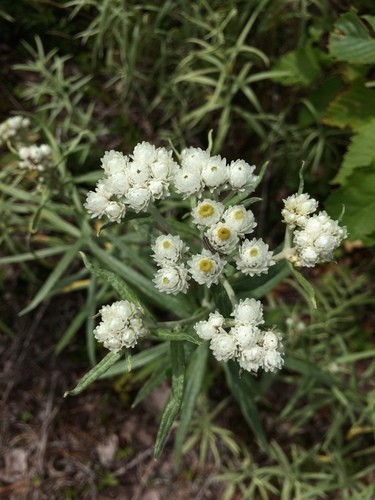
(230, 292)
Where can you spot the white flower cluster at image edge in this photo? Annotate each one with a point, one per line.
(121, 325)
(315, 235)
(245, 342)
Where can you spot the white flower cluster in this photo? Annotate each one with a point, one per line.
(223, 231)
(315, 237)
(11, 127)
(252, 347)
(131, 182)
(35, 157)
(121, 325)
(147, 175)
(199, 171)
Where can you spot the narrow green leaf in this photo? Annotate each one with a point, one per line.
(305, 285)
(124, 291)
(156, 379)
(257, 287)
(53, 278)
(95, 373)
(190, 336)
(195, 376)
(241, 386)
(138, 360)
(174, 402)
(308, 370)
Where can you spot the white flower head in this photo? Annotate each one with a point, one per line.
(163, 168)
(215, 172)
(194, 158)
(158, 189)
(241, 175)
(206, 268)
(240, 219)
(222, 238)
(272, 360)
(121, 326)
(115, 211)
(172, 280)
(246, 336)
(271, 340)
(118, 183)
(138, 198)
(188, 182)
(297, 208)
(207, 329)
(98, 200)
(223, 346)
(251, 359)
(254, 258)
(114, 162)
(139, 173)
(207, 213)
(144, 154)
(168, 249)
(248, 312)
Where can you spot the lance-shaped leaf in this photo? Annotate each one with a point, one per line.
(95, 373)
(190, 336)
(174, 402)
(305, 285)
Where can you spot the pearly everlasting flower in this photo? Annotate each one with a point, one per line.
(207, 329)
(272, 360)
(254, 258)
(114, 162)
(138, 198)
(207, 213)
(158, 189)
(11, 126)
(223, 346)
(35, 157)
(251, 359)
(241, 175)
(171, 280)
(188, 182)
(319, 238)
(144, 153)
(115, 211)
(194, 158)
(240, 219)
(121, 326)
(118, 183)
(215, 172)
(168, 250)
(246, 335)
(206, 268)
(139, 174)
(248, 312)
(98, 200)
(297, 209)
(222, 238)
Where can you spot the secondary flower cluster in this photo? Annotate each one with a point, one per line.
(252, 347)
(121, 325)
(148, 174)
(11, 127)
(315, 237)
(35, 157)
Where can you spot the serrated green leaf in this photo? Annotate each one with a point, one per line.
(350, 40)
(357, 195)
(354, 108)
(299, 67)
(174, 402)
(306, 285)
(241, 386)
(195, 374)
(94, 373)
(190, 336)
(361, 153)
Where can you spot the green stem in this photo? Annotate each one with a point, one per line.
(230, 292)
(182, 322)
(159, 218)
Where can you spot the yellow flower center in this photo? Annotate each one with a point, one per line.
(166, 244)
(166, 281)
(238, 215)
(223, 233)
(253, 252)
(206, 210)
(205, 265)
